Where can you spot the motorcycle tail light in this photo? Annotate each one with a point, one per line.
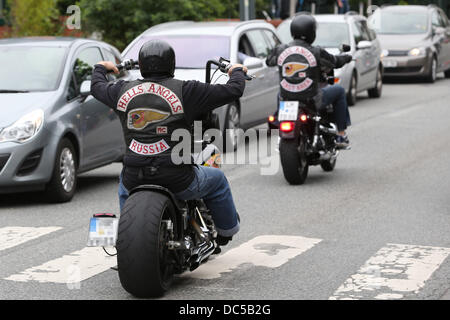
(287, 126)
(303, 118)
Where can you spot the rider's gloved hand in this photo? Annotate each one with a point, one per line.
(244, 68)
(348, 58)
(109, 66)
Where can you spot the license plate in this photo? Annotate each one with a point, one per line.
(288, 111)
(390, 63)
(103, 232)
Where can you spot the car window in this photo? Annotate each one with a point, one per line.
(443, 19)
(361, 25)
(436, 20)
(272, 39)
(110, 56)
(356, 33)
(259, 44)
(245, 49)
(331, 34)
(366, 31)
(82, 69)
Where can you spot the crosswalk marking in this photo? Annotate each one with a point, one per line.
(393, 272)
(13, 236)
(269, 251)
(72, 268)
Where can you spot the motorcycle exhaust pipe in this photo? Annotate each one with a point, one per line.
(332, 130)
(202, 252)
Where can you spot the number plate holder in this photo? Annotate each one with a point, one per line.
(288, 111)
(103, 231)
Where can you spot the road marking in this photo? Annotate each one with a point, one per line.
(13, 236)
(70, 269)
(269, 251)
(393, 272)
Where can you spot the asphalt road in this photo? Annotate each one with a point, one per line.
(375, 228)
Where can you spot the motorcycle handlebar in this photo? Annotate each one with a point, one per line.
(223, 64)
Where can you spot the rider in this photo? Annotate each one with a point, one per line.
(300, 66)
(150, 109)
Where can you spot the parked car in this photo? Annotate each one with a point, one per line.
(247, 42)
(49, 130)
(415, 40)
(333, 30)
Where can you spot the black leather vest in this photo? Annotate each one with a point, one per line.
(299, 67)
(150, 111)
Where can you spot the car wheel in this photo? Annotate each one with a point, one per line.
(62, 185)
(431, 77)
(351, 96)
(375, 92)
(232, 132)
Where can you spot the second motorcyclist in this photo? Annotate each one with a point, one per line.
(150, 109)
(301, 65)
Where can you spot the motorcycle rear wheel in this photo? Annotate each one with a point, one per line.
(293, 160)
(143, 258)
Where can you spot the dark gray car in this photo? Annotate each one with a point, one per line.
(415, 40)
(49, 131)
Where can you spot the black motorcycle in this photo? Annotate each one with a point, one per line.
(307, 133)
(158, 235)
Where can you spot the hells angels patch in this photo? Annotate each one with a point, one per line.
(138, 119)
(151, 88)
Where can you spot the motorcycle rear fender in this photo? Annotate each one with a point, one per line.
(292, 134)
(179, 205)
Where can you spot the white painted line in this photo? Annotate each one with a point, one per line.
(72, 268)
(13, 236)
(269, 251)
(395, 270)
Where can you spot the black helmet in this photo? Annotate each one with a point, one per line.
(156, 58)
(304, 27)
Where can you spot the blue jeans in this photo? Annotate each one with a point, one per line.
(211, 185)
(345, 7)
(335, 95)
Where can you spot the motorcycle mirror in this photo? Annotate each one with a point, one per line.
(345, 48)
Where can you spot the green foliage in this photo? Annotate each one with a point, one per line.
(34, 17)
(119, 22)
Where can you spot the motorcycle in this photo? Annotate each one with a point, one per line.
(158, 236)
(307, 133)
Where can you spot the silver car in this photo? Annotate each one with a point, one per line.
(248, 43)
(366, 72)
(415, 40)
(50, 128)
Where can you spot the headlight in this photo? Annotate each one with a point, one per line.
(23, 129)
(417, 52)
(384, 53)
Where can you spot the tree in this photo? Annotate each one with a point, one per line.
(119, 22)
(34, 17)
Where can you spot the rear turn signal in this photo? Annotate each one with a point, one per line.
(287, 126)
(271, 118)
(303, 118)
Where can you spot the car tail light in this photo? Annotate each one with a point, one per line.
(337, 80)
(287, 126)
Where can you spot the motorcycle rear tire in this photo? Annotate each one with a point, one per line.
(141, 250)
(293, 161)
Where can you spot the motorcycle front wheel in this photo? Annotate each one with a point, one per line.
(293, 160)
(144, 261)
